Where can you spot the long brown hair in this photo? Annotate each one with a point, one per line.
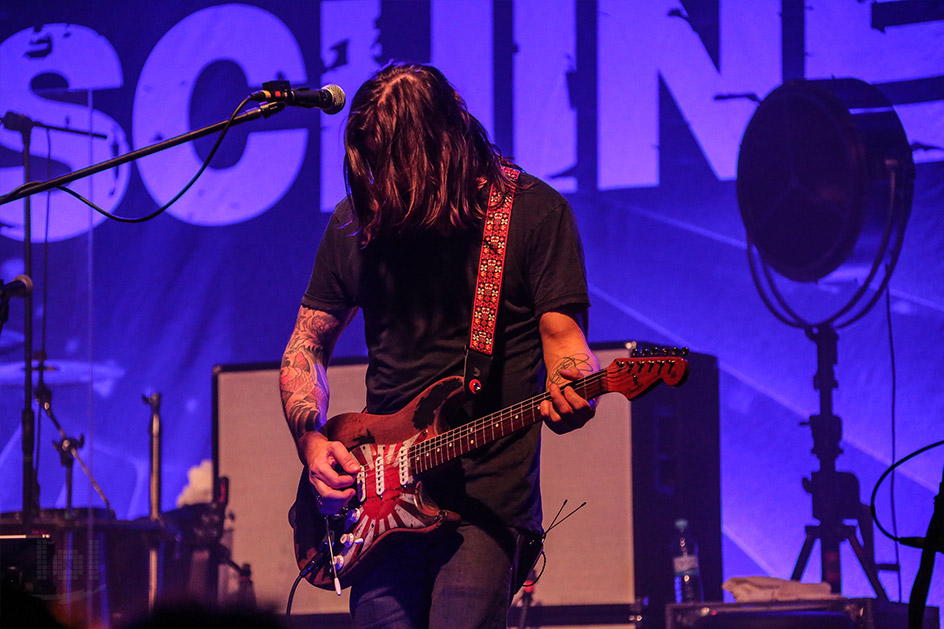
(415, 158)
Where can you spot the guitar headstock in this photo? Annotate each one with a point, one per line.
(638, 373)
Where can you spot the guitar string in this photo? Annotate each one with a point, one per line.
(451, 439)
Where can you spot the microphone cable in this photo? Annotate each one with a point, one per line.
(193, 180)
(914, 542)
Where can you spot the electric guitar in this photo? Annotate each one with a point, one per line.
(396, 451)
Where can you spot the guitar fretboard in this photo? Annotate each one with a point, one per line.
(451, 444)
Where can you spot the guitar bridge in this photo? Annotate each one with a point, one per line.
(361, 484)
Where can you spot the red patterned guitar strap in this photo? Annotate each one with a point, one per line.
(488, 285)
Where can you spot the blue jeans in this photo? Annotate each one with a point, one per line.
(453, 577)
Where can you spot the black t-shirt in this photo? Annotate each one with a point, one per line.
(416, 295)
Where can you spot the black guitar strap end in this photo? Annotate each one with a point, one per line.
(476, 372)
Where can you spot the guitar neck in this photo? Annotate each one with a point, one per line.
(454, 443)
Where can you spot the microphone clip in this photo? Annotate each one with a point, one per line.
(273, 91)
(330, 99)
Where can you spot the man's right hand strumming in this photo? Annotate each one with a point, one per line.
(331, 471)
(304, 387)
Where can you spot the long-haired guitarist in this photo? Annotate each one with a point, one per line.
(404, 248)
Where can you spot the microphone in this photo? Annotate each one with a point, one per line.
(21, 286)
(329, 98)
(16, 122)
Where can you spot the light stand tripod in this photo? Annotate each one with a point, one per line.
(835, 494)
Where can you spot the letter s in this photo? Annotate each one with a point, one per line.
(87, 61)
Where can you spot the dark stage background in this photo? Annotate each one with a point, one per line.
(611, 101)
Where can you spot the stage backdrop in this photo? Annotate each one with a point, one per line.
(614, 102)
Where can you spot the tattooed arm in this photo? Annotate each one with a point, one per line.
(304, 385)
(567, 357)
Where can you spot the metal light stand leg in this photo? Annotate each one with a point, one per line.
(868, 562)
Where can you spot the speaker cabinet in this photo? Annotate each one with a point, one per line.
(638, 466)
(676, 474)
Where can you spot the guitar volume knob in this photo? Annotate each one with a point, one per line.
(348, 540)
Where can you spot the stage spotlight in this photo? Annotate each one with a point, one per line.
(825, 180)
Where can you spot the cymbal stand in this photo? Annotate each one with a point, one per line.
(67, 446)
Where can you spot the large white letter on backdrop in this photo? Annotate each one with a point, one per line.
(86, 61)
(461, 46)
(271, 160)
(545, 123)
(639, 42)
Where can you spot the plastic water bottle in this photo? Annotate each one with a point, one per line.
(688, 586)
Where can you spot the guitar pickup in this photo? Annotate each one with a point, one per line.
(403, 465)
(361, 484)
(379, 471)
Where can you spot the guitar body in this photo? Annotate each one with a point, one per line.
(396, 451)
(387, 502)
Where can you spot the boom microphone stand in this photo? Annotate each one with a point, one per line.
(18, 122)
(24, 125)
